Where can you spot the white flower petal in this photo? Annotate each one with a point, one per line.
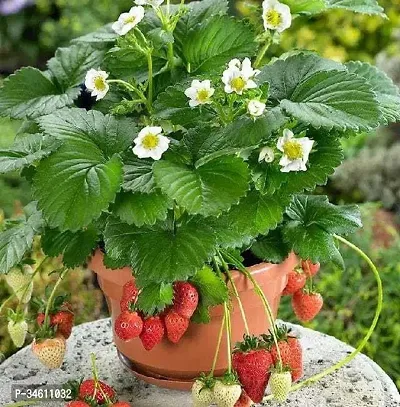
(234, 63)
(194, 103)
(256, 108)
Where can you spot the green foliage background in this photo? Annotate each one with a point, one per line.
(350, 296)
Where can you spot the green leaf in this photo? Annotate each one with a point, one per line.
(386, 91)
(29, 93)
(208, 189)
(26, 151)
(173, 105)
(285, 75)
(75, 184)
(141, 209)
(161, 255)
(17, 240)
(199, 12)
(334, 100)
(327, 156)
(128, 63)
(111, 134)
(312, 222)
(212, 291)
(358, 6)
(75, 247)
(138, 174)
(70, 65)
(245, 132)
(305, 6)
(255, 214)
(271, 248)
(103, 35)
(154, 298)
(215, 42)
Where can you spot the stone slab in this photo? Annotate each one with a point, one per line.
(361, 384)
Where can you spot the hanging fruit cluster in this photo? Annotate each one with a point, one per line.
(172, 322)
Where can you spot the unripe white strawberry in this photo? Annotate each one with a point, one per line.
(21, 283)
(226, 395)
(280, 383)
(202, 396)
(50, 351)
(17, 331)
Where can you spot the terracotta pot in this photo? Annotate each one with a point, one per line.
(174, 366)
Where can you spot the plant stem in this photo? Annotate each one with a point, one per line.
(130, 88)
(38, 268)
(368, 335)
(7, 301)
(221, 331)
(268, 311)
(228, 336)
(235, 291)
(51, 298)
(262, 52)
(150, 83)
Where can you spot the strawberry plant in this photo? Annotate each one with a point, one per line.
(175, 141)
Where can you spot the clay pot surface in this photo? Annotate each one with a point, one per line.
(174, 366)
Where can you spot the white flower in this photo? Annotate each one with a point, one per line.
(295, 151)
(239, 76)
(151, 143)
(276, 15)
(152, 3)
(266, 154)
(127, 21)
(96, 83)
(199, 93)
(256, 108)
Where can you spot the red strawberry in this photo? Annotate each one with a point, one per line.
(244, 401)
(64, 320)
(101, 392)
(186, 299)
(296, 281)
(153, 332)
(121, 404)
(252, 363)
(176, 326)
(77, 404)
(291, 352)
(40, 318)
(129, 295)
(128, 325)
(307, 305)
(309, 268)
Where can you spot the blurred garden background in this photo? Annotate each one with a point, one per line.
(30, 31)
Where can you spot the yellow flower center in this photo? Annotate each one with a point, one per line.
(99, 83)
(273, 18)
(238, 84)
(150, 141)
(293, 150)
(203, 95)
(130, 20)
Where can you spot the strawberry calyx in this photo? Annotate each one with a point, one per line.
(278, 368)
(249, 344)
(45, 332)
(229, 378)
(15, 316)
(207, 380)
(283, 334)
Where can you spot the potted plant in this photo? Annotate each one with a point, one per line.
(175, 146)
